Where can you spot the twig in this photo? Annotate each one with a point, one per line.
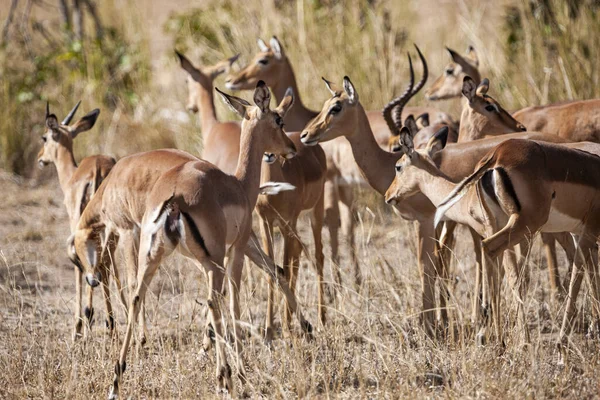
(8, 21)
(97, 22)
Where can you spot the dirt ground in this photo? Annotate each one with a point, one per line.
(371, 347)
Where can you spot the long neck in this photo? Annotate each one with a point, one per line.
(206, 107)
(249, 162)
(65, 166)
(376, 164)
(471, 125)
(298, 116)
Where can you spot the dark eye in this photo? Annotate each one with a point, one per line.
(449, 71)
(335, 109)
(279, 121)
(490, 108)
(263, 61)
(44, 139)
(398, 168)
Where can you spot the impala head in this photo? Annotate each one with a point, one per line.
(85, 250)
(60, 134)
(338, 117)
(261, 120)
(407, 179)
(449, 84)
(267, 66)
(484, 112)
(201, 78)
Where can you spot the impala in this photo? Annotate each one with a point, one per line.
(306, 172)
(525, 186)
(449, 84)
(343, 115)
(193, 206)
(221, 140)
(78, 184)
(273, 66)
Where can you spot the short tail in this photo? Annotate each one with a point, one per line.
(273, 188)
(462, 188)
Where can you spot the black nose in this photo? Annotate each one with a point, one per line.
(523, 128)
(304, 135)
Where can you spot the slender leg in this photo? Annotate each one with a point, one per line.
(566, 242)
(234, 267)
(582, 249)
(347, 217)
(332, 220)
(89, 310)
(78, 300)
(477, 290)
(443, 252)
(549, 244)
(291, 257)
(426, 258)
(316, 219)
(260, 259)
(266, 231)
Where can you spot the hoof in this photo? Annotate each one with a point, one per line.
(224, 382)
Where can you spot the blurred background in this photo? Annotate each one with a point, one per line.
(118, 55)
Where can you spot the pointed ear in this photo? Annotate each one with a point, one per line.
(469, 88)
(85, 123)
(350, 91)
(222, 66)
(52, 124)
(330, 86)
(483, 87)
(262, 96)
(276, 47)
(411, 125)
(286, 103)
(472, 56)
(406, 142)
(186, 64)
(423, 121)
(237, 105)
(262, 45)
(437, 141)
(457, 58)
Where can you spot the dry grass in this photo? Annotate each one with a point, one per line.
(372, 345)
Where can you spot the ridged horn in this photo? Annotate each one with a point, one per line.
(387, 110)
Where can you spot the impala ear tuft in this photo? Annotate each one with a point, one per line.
(350, 90)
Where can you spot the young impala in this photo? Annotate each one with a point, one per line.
(78, 184)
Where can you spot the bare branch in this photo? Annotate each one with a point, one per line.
(11, 14)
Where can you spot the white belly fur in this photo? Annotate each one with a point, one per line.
(559, 222)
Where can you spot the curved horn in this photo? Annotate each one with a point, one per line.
(69, 117)
(387, 110)
(421, 83)
(47, 109)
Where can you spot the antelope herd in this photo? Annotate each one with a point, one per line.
(505, 176)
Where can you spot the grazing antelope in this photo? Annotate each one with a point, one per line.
(207, 215)
(78, 184)
(221, 140)
(525, 186)
(306, 172)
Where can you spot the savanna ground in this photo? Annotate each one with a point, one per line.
(372, 345)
